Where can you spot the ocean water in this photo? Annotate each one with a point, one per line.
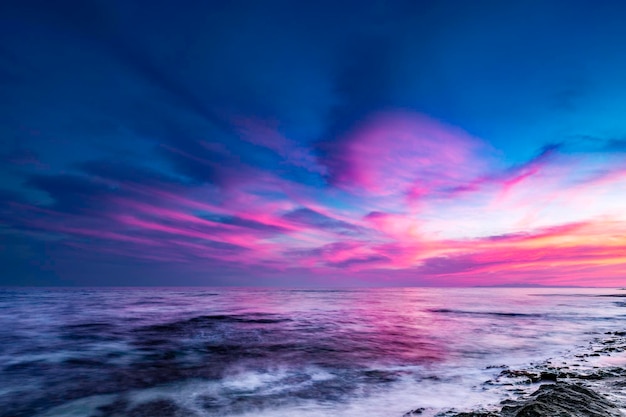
(282, 352)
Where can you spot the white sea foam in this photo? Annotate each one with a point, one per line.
(455, 390)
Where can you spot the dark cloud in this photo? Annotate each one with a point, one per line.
(594, 144)
(245, 223)
(312, 218)
(24, 260)
(214, 157)
(505, 237)
(443, 265)
(20, 158)
(616, 145)
(73, 193)
(319, 252)
(365, 260)
(122, 173)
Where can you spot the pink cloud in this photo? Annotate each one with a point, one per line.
(406, 153)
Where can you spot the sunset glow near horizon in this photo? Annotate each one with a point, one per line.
(264, 152)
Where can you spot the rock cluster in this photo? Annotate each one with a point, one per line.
(563, 400)
(550, 400)
(570, 385)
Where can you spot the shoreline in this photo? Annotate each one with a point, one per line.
(587, 382)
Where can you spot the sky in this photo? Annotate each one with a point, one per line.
(310, 144)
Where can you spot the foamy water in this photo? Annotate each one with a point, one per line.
(269, 353)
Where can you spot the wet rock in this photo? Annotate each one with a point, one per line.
(532, 376)
(563, 400)
(547, 376)
(416, 412)
(464, 414)
(598, 374)
(550, 400)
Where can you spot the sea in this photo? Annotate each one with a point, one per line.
(376, 352)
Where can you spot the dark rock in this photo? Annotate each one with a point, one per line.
(599, 374)
(547, 376)
(415, 412)
(563, 400)
(551, 400)
(532, 376)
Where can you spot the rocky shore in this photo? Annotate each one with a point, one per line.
(588, 383)
(555, 400)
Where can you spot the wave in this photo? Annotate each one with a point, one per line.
(483, 313)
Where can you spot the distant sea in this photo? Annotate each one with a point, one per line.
(283, 352)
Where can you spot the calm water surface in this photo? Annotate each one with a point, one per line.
(268, 352)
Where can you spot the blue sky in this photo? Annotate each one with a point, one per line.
(288, 128)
